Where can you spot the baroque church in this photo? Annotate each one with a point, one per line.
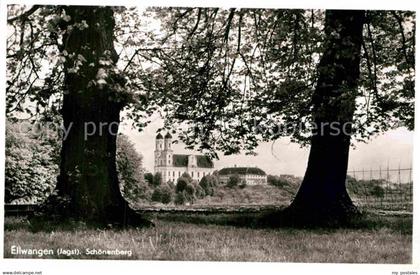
(172, 166)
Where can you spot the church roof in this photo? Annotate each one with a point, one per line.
(202, 161)
(241, 171)
(168, 135)
(159, 136)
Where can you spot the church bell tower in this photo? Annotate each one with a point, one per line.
(167, 154)
(158, 150)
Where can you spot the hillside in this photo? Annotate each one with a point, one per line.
(257, 195)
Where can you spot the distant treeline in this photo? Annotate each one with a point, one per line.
(32, 161)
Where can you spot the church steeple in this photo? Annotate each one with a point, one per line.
(159, 142)
(168, 141)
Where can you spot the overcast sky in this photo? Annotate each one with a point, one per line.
(393, 147)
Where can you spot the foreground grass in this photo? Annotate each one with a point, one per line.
(379, 240)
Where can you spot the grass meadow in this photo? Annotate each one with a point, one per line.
(375, 239)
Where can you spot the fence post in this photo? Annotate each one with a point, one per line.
(387, 183)
(375, 200)
(365, 187)
(411, 184)
(400, 185)
(380, 180)
(355, 186)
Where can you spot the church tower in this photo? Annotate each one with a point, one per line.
(171, 166)
(158, 150)
(167, 154)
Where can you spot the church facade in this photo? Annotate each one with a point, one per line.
(171, 166)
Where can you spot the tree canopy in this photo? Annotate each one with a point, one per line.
(241, 76)
(31, 164)
(224, 79)
(130, 170)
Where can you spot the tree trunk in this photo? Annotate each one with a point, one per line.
(322, 196)
(88, 187)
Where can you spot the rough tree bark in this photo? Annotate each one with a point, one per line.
(322, 196)
(88, 187)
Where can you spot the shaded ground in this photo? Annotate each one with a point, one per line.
(218, 237)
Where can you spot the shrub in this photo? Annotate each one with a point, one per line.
(209, 184)
(171, 185)
(157, 179)
(283, 180)
(365, 187)
(149, 178)
(182, 184)
(187, 186)
(187, 176)
(233, 181)
(166, 196)
(190, 190)
(378, 191)
(288, 183)
(162, 194)
(199, 192)
(156, 195)
(180, 198)
(277, 181)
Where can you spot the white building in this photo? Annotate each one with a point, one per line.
(172, 166)
(248, 175)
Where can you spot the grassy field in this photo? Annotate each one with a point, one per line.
(210, 238)
(257, 195)
(269, 195)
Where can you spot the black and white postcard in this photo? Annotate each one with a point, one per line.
(206, 134)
